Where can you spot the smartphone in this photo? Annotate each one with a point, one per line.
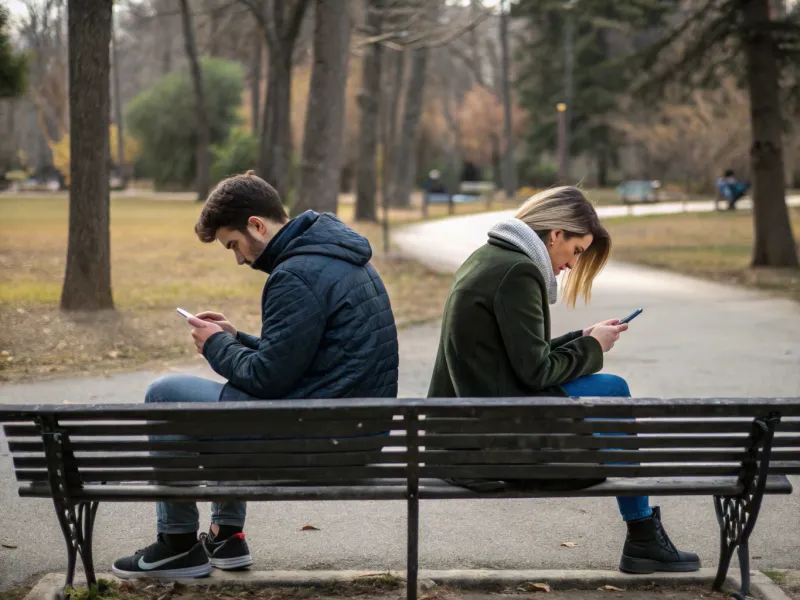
(184, 313)
(631, 316)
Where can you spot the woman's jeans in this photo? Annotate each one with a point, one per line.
(631, 507)
(183, 517)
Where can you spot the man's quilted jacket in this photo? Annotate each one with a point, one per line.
(327, 328)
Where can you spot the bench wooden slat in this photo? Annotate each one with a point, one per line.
(217, 446)
(565, 441)
(570, 471)
(513, 457)
(217, 461)
(329, 429)
(396, 489)
(240, 474)
(477, 427)
(358, 408)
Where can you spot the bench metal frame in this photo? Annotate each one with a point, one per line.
(737, 500)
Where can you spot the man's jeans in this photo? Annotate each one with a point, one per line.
(602, 385)
(182, 517)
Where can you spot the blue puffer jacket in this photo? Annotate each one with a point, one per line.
(327, 328)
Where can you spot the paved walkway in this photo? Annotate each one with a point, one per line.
(694, 339)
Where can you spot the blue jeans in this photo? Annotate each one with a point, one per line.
(631, 507)
(182, 517)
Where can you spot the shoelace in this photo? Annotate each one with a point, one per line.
(664, 537)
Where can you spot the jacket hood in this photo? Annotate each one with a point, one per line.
(314, 233)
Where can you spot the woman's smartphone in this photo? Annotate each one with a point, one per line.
(184, 313)
(631, 316)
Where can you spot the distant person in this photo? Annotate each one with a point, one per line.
(433, 184)
(495, 339)
(731, 188)
(327, 331)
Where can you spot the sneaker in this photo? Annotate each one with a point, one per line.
(228, 554)
(648, 549)
(159, 560)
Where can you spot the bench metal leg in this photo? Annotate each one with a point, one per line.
(412, 565)
(77, 526)
(737, 515)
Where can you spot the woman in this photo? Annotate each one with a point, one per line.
(495, 339)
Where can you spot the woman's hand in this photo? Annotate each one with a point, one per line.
(588, 330)
(608, 335)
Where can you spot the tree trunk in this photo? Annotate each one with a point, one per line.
(509, 170)
(203, 157)
(321, 163)
(369, 101)
(121, 171)
(407, 137)
(87, 281)
(275, 148)
(602, 167)
(774, 244)
(256, 71)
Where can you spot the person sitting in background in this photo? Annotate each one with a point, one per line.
(434, 184)
(495, 340)
(731, 188)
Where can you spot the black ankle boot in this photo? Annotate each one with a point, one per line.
(648, 549)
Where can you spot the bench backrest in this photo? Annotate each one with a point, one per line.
(339, 441)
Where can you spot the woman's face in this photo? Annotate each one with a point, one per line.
(564, 251)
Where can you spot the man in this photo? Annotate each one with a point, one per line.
(327, 332)
(731, 189)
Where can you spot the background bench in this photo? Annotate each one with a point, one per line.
(735, 450)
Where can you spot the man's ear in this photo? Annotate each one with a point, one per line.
(259, 225)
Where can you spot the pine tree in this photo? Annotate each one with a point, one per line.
(13, 68)
(604, 32)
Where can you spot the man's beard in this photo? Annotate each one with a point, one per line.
(256, 247)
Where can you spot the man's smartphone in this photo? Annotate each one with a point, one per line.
(631, 316)
(184, 313)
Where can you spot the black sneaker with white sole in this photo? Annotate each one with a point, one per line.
(228, 554)
(158, 560)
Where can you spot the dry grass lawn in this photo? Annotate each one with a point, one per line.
(157, 265)
(714, 246)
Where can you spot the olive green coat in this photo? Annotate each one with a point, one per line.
(495, 339)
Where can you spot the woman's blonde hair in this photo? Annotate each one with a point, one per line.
(567, 209)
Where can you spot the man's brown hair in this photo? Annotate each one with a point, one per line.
(234, 201)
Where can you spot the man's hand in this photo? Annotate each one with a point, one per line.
(589, 330)
(202, 330)
(220, 320)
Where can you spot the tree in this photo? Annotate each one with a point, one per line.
(280, 21)
(369, 102)
(162, 119)
(13, 67)
(407, 136)
(743, 38)
(203, 154)
(323, 136)
(87, 281)
(603, 30)
(509, 172)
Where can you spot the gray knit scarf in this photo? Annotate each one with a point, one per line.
(523, 237)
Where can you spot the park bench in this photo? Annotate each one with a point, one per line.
(638, 191)
(736, 450)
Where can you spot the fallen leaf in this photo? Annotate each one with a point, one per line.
(9, 546)
(309, 528)
(610, 588)
(534, 587)
(569, 544)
